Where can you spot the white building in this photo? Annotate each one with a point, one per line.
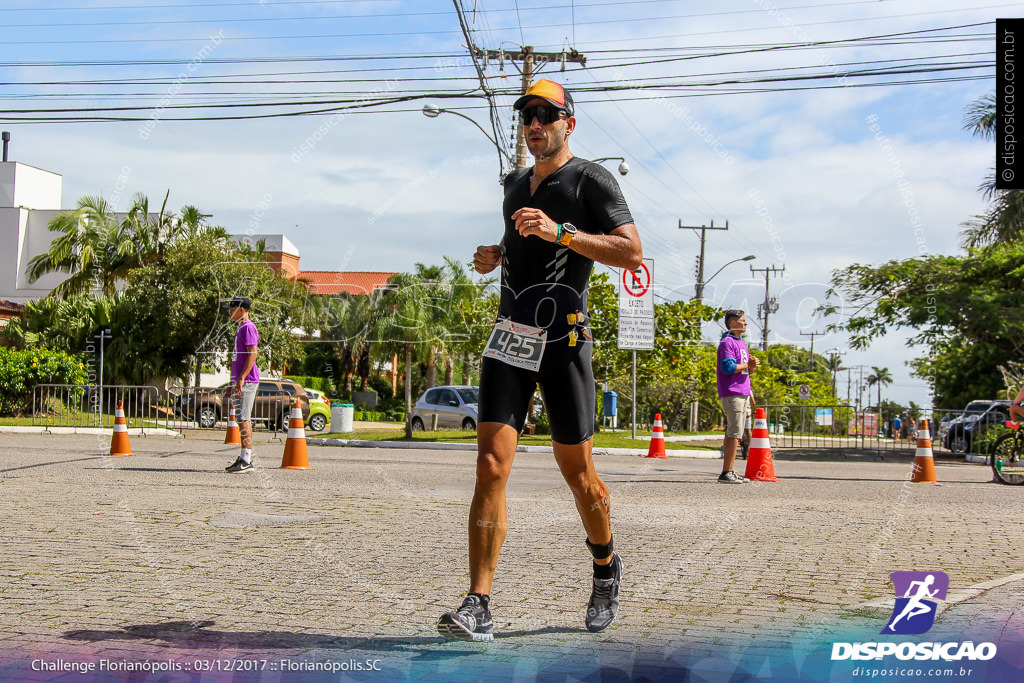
(29, 199)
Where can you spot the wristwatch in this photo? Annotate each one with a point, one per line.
(566, 232)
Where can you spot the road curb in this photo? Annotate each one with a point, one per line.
(41, 429)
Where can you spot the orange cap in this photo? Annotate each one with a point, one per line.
(551, 92)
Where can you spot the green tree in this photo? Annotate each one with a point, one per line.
(965, 309)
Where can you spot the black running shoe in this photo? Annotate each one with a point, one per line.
(472, 622)
(604, 599)
(731, 477)
(239, 466)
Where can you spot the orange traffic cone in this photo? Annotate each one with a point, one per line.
(759, 455)
(233, 436)
(295, 456)
(119, 441)
(657, 447)
(924, 462)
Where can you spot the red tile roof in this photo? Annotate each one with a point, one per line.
(9, 309)
(343, 282)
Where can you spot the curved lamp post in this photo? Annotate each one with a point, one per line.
(432, 111)
(623, 166)
(700, 285)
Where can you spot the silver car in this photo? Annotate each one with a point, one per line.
(446, 407)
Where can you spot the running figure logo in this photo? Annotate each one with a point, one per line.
(914, 613)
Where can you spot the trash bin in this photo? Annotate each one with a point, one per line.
(341, 417)
(611, 403)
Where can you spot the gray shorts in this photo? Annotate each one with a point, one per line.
(737, 414)
(243, 404)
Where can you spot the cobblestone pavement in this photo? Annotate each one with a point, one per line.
(163, 556)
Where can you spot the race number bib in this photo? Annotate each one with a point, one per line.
(520, 346)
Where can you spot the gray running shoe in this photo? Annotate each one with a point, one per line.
(604, 599)
(472, 622)
(731, 477)
(239, 466)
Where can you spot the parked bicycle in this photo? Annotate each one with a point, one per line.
(1007, 456)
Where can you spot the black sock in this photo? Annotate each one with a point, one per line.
(603, 571)
(485, 599)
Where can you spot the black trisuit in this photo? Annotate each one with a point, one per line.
(542, 284)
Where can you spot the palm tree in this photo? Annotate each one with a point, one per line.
(404, 323)
(98, 250)
(880, 377)
(91, 247)
(1004, 219)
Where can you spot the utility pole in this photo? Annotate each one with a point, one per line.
(770, 305)
(812, 335)
(530, 59)
(699, 287)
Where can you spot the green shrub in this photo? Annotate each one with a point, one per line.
(21, 371)
(322, 384)
(543, 426)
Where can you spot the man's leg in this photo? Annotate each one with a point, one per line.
(735, 409)
(243, 411)
(245, 429)
(593, 501)
(488, 517)
(488, 521)
(729, 453)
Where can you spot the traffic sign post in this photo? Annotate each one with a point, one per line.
(636, 315)
(636, 308)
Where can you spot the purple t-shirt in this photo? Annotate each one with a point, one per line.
(737, 383)
(246, 336)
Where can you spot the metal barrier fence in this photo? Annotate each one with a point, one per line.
(83, 405)
(833, 426)
(836, 426)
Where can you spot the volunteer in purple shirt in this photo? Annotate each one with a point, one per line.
(734, 367)
(245, 378)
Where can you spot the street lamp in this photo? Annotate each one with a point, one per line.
(432, 111)
(623, 166)
(700, 285)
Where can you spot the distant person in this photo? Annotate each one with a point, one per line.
(561, 215)
(897, 427)
(245, 378)
(733, 372)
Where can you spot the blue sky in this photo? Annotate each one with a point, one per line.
(382, 190)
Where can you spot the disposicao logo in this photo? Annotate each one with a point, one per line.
(913, 614)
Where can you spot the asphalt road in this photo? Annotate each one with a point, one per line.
(162, 556)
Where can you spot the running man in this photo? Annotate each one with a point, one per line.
(245, 378)
(914, 606)
(560, 216)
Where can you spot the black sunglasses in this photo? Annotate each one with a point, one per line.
(543, 113)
